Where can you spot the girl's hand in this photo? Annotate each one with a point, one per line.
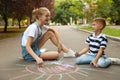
(94, 63)
(39, 61)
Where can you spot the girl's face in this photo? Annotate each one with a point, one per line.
(45, 17)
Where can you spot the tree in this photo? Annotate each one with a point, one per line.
(103, 8)
(115, 12)
(66, 9)
(5, 11)
(20, 9)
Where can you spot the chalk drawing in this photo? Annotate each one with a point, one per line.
(39, 77)
(50, 70)
(17, 77)
(60, 78)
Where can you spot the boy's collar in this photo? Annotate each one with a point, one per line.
(97, 36)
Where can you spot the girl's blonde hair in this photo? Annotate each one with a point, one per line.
(39, 11)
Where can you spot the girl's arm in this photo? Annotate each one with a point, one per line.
(31, 52)
(94, 62)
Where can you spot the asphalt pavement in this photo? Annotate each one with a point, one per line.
(13, 67)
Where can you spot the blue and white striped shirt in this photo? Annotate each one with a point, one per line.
(96, 42)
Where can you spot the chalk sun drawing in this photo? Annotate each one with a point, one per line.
(55, 70)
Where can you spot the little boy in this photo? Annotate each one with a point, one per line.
(93, 52)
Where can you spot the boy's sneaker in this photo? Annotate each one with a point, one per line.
(115, 60)
(70, 53)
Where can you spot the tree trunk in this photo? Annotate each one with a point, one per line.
(19, 23)
(13, 20)
(6, 23)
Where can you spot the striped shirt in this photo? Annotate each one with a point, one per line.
(96, 42)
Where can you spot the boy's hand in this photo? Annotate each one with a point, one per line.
(94, 63)
(77, 54)
(40, 62)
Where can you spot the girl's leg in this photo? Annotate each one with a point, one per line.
(104, 62)
(49, 55)
(85, 59)
(50, 35)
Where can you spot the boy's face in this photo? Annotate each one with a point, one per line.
(96, 26)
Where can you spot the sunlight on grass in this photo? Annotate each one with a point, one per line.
(12, 32)
(108, 31)
(112, 32)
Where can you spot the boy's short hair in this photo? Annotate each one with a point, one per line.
(101, 21)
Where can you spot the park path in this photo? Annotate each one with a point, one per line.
(13, 67)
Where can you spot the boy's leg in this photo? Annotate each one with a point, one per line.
(104, 62)
(84, 59)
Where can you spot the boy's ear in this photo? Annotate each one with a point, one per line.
(101, 26)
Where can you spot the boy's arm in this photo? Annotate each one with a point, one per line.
(94, 62)
(83, 51)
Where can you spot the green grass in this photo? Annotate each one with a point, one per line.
(107, 30)
(11, 32)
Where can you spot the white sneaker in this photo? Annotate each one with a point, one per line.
(43, 50)
(115, 60)
(70, 53)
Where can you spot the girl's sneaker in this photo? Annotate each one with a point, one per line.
(70, 53)
(43, 50)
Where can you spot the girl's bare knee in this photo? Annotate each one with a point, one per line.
(57, 55)
(50, 33)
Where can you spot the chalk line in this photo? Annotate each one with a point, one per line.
(41, 70)
(17, 77)
(20, 65)
(38, 78)
(71, 77)
(60, 78)
(82, 74)
(6, 69)
(98, 70)
(49, 77)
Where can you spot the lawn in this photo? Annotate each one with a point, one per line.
(107, 30)
(11, 32)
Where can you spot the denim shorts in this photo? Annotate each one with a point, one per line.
(27, 56)
(34, 47)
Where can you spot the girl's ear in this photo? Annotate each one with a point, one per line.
(37, 17)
